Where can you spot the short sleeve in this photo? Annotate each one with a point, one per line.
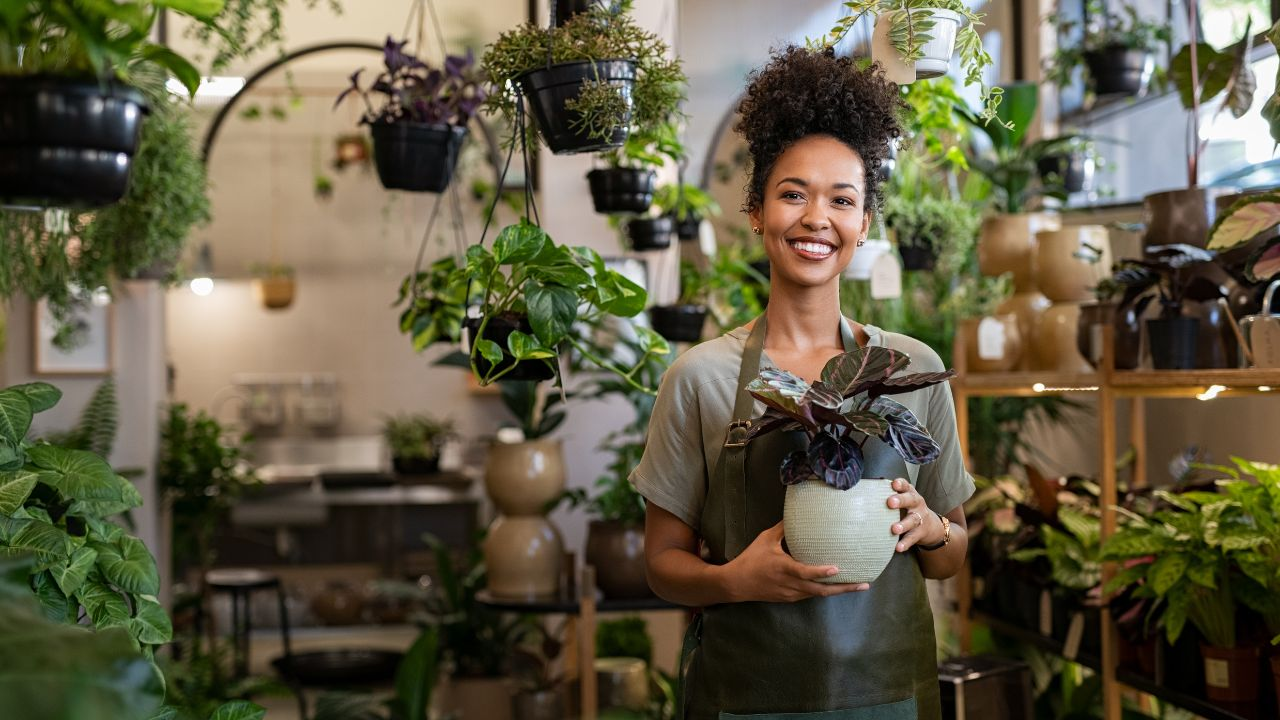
(944, 483)
(672, 473)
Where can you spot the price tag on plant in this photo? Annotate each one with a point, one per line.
(886, 277)
(991, 340)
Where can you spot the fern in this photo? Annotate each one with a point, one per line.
(96, 429)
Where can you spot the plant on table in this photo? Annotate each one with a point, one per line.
(1169, 271)
(1106, 30)
(416, 437)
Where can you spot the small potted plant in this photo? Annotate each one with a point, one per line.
(1117, 50)
(436, 303)
(925, 226)
(69, 79)
(835, 512)
(684, 321)
(415, 441)
(626, 185)
(1069, 167)
(420, 118)
(539, 694)
(687, 205)
(589, 81)
(274, 285)
(1169, 270)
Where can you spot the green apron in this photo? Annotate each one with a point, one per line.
(859, 656)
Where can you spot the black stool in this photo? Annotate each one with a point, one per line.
(241, 583)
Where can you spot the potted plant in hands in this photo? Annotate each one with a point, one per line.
(687, 205)
(1118, 50)
(833, 513)
(926, 225)
(414, 441)
(626, 185)
(1169, 270)
(589, 81)
(421, 117)
(436, 303)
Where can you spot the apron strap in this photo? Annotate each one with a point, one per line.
(733, 456)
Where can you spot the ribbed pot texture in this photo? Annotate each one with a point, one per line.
(845, 528)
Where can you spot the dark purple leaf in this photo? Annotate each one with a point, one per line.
(908, 383)
(795, 468)
(866, 422)
(394, 56)
(784, 381)
(784, 392)
(846, 372)
(772, 421)
(383, 86)
(905, 435)
(824, 395)
(837, 460)
(457, 66)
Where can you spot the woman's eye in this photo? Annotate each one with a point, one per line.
(844, 201)
(791, 195)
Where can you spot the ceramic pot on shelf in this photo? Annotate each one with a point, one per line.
(1231, 674)
(1057, 346)
(1180, 216)
(992, 344)
(1071, 261)
(1027, 307)
(523, 551)
(616, 551)
(1006, 243)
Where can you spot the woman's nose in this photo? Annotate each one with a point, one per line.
(815, 218)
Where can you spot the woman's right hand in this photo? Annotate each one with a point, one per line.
(764, 572)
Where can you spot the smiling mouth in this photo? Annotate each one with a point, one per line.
(812, 249)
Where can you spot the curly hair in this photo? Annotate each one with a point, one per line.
(805, 92)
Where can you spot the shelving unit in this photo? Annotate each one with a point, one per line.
(1109, 385)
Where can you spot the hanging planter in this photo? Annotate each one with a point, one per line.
(935, 52)
(66, 141)
(415, 156)
(621, 190)
(1119, 70)
(498, 330)
(679, 323)
(646, 233)
(563, 101)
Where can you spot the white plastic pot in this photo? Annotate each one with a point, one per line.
(845, 528)
(937, 52)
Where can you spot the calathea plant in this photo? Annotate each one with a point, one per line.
(841, 411)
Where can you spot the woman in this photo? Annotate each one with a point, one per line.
(771, 639)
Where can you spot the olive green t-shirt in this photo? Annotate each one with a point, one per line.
(694, 407)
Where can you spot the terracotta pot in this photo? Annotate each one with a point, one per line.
(1003, 345)
(275, 293)
(1027, 306)
(487, 698)
(1094, 316)
(616, 550)
(623, 683)
(1180, 216)
(1056, 347)
(1071, 261)
(1006, 244)
(523, 556)
(537, 705)
(338, 604)
(1231, 674)
(521, 478)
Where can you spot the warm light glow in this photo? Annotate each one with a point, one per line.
(202, 286)
(1038, 387)
(1264, 388)
(1211, 393)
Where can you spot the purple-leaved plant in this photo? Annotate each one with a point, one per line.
(409, 90)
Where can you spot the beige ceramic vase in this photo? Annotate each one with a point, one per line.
(1071, 261)
(1007, 244)
(1027, 307)
(1057, 348)
(992, 344)
(523, 551)
(522, 477)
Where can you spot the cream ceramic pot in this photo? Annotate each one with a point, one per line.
(1057, 347)
(1027, 306)
(523, 556)
(523, 477)
(1069, 262)
(1262, 332)
(1007, 243)
(992, 344)
(845, 528)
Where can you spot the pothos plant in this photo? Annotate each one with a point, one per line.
(910, 29)
(555, 287)
(436, 300)
(841, 411)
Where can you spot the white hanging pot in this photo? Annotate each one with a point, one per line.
(937, 52)
(845, 528)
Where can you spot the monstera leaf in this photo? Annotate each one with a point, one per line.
(906, 435)
(849, 372)
(795, 468)
(837, 460)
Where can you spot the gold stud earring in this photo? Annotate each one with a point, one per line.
(756, 230)
(861, 243)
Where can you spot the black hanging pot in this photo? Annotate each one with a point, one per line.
(1072, 171)
(67, 141)
(416, 465)
(1119, 70)
(549, 88)
(1173, 342)
(687, 227)
(621, 190)
(498, 330)
(417, 157)
(678, 323)
(918, 255)
(649, 233)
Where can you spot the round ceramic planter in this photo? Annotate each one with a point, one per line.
(621, 190)
(521, 478)
(994, 347)
(1027, 306)
(1231, 674)
(937, 51)
(1180, 216)
(1071, 261)
(67, 141)
(623, 683)
(616, 551)
(1057, 347)
(1118, 70)
(275, 293)
(1006, 243)
(523, 556)
(845, 528)
(549, 88)
(418, 157)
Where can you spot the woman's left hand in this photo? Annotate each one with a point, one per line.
(918, 524)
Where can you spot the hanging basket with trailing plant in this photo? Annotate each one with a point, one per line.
(418, 116)
(589, 82)
(649, 233)
(621, 189)
(1117, 51)
(687, 206)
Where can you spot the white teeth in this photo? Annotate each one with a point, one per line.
(813, 248)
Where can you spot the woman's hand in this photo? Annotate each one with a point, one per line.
(918, 523)
(764, 572)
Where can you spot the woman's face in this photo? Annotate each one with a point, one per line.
(812, 211)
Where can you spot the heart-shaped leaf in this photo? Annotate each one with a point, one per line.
(795, 468)
(46, 541)
(71, 576)
(519, 243)
(837, 460)
(105, 606)
(848, 372)
(905, 435)
(150, 624)
(552, 310)
(15, 415)
(128, 565)
(53, 602)
(489, 350)
(42, 396)
(15, 486)
(86, 478)
(525, 347)
(908, 383)
(239, 710)
(618, 295)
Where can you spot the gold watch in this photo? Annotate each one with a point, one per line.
(946, 534)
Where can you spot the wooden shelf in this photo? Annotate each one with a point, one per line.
(1026, 384)
(1190, 383)
(1031, 637)
(571, 605)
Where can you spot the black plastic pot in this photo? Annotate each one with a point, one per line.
(549, 88)
(1118, 70)
(1073, 171)
(649, 233)
(416, 466)
(498, 330)
(920, 255)
(678, 323)
(621, 190)
(415, 156)
(687, 227)
(1173, 342)
(66, 141)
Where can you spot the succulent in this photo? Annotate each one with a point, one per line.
(841, 411)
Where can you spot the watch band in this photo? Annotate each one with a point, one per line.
(946, 534)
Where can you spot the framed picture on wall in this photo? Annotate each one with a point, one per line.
(80, 347)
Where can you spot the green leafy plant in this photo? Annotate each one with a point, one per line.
(736, 291)
(415, 436)
(436, 303)
(1226, 71)
(1170, 271)
(96, 429)
(537, 411)
(933, 139)
(683, 201)
(604, 31)
(930, 222)
(1271, 110)
(201, 474)
(244, 28)
(528, 275)
(1073, 555)
(198, 685)
(910, 28)
(414, 685)
(1128, 30)
(1259, 501)
(616, 499)
(648, 148)
(624, 637)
